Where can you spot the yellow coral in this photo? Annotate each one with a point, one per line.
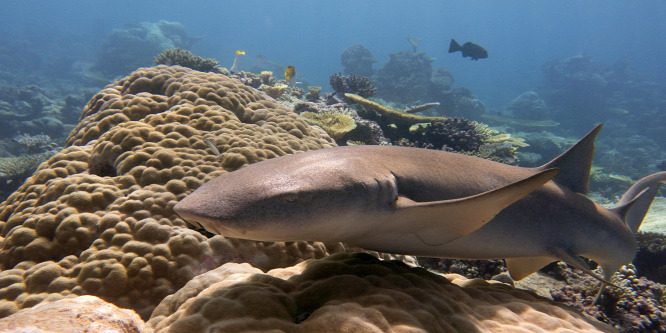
(335, 124)
(274, 91)
(399, 118)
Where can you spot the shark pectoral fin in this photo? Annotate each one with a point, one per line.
(439, 222)
(519, 268)
(578, 262)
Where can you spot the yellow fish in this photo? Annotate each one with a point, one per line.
(289, 73)
(240, 52)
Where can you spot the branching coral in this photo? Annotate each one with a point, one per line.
(637, 306)
(186, 59)
(453, 134)
(35, 143)
(355, 84)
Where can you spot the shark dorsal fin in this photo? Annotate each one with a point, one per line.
(519, 268)
(463, 215)
(575, 163)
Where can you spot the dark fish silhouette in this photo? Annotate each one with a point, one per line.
(468, 49)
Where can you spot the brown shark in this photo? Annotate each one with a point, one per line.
(429, 203)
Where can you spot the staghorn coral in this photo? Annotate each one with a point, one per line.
(355, 84)
(185, 58)
(357, 293)
(335, 124)
(97, 218)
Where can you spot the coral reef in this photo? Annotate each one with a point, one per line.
(313, 93)
(185, 58)
(453, 134)
(353, 84)
(335, 124)
(405, 77)
(28, 152)
(582, 92)
(637, 306)
(134, 46)
(387, 115)
(650, 260)
(97, 218)
(529, 105)
(357, 59)
(79, 314)
(471, 269)
(414, 42)
(357, 293)
(274, 91)
(365, 131)
(461, 102)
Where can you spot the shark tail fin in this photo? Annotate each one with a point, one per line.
(635, 203)
(454, 46)
(575, 163)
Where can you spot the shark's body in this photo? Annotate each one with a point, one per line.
(428, 203)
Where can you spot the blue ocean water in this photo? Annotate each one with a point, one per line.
(593, 61)
(520, 35)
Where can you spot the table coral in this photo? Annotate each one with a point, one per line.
(357, 293)
(97, 218)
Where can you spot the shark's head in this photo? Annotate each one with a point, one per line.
(295, 199)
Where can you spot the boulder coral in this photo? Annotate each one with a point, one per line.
(97, 218)
(357, 293)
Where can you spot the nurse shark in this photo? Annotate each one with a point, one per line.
(429, 203)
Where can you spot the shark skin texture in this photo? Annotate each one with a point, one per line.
(429, 203)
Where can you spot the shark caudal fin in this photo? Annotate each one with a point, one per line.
(635, 203)
(575, 163)
(454, 46)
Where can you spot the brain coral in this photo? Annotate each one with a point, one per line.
(357, 293)
(97, 218)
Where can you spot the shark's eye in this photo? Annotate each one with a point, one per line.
(290, 198)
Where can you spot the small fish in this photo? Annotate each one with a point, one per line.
(468, 49)
(289, 74)
(212, 147)
(235, 66)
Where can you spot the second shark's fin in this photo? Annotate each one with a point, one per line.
(463, 215)
(635, 203)
(519, 268)
(575, 163)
